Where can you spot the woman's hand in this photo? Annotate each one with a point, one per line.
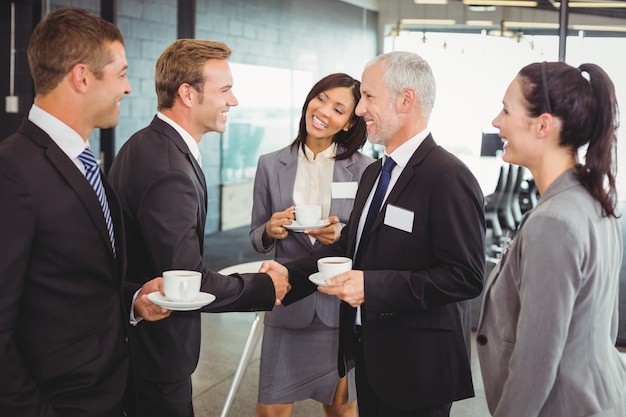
(274, 228)
(329, 234)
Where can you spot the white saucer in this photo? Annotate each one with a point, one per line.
(203, 299)
(296, 227)
(317, 279)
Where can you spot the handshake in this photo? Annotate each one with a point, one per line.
(280, 278)
(339, 280)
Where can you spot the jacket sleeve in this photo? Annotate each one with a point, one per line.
(170, 229)
(261, 207)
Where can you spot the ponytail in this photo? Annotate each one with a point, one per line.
(599, 170)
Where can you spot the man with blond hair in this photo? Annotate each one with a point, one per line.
(159, 178)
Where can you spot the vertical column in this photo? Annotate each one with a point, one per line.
(563, 23)
(186, 19)
(108, 11)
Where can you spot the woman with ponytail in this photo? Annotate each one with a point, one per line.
(546, 337)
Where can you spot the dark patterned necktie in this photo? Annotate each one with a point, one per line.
(92, 173)
(377, 201)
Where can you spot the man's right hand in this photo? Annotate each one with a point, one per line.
(280, 278)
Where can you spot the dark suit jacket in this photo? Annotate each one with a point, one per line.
(62, 322)
(163, 193)
(412, 338)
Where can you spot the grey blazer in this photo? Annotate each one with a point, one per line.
(273, 191)
(549, 315)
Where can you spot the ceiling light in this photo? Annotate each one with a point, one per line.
(482, 8)
(591, 28)
(593, 4)
(501, 33)
(479, 23)
(530, 25)
(431, 1)
(504, 3)
(427, 21)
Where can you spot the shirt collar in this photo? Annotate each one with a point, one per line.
(66, 138)
(404, 152)
(187, 138)
(327, 154)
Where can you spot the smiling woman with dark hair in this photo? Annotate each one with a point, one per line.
(321, 167)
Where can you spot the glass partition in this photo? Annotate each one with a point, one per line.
(266, 119)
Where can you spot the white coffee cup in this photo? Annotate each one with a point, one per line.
(333, 265)
(308, 215)
(181, 285)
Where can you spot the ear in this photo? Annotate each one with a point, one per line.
(406, 100)
(348, 125)
(545, 125)
(79, 77)
(185, 93)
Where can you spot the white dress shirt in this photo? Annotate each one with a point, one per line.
(314, 179)
(66, 138)
(189, 140)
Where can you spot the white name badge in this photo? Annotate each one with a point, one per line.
(344, 189)
(399, 218)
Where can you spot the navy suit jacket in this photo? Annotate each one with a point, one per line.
(62, 317)
(412, 337)
(163, 193)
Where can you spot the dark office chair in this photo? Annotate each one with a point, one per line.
(516, 208)
(529, 194)
(493, 202)
(505, 211)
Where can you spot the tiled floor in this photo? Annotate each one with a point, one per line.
(223, 338)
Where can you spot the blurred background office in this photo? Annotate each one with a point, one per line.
(281, 47)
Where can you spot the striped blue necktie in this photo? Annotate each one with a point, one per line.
(92, 173)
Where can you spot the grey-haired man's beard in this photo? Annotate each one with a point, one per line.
(384, 133)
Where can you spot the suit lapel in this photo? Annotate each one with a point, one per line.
(165, 129)
(287, 176)
(74, 178)
(118, 225)
(411, 169)
(404, 180)
(365, 188)
(408, 175)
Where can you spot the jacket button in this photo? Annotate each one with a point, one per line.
(481, 339)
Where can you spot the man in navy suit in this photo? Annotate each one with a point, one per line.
(400, 325)
(162, 188)
(63, 312)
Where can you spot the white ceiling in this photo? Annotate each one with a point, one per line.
(407, 15)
